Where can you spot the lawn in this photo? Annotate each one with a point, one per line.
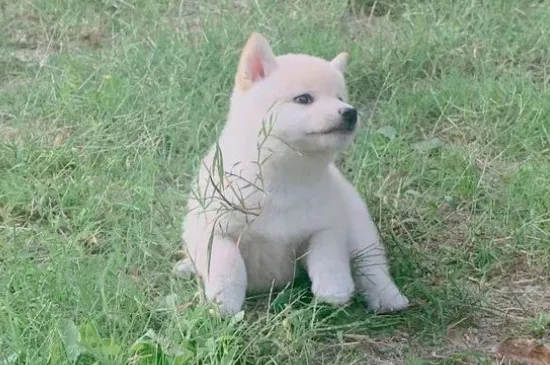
(106, 107)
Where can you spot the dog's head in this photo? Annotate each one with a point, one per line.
(302, 98)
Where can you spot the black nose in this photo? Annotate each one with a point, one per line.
(349, 116)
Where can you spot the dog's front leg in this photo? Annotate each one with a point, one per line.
(328, 267)
(225, 282)
(370, 266)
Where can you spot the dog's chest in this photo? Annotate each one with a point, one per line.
(289, 217)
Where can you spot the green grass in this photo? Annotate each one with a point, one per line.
(107, 106)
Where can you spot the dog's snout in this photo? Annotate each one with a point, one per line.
(349, 117)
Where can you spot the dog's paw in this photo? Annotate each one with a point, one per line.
(228, 300)
(228, 309)
(387, 300)
(334, 289)
(184, 268)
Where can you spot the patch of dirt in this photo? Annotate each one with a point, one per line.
(456, 225)
(23, 45)
(514, 305)
(388, 350)
(53, 137)
(29, 39)
(39, 56)
(376, 8)
(29, 42)
(360, 26)
(23, 31)
(93, 36)
(522, 295)
(9, 135)
(524, 351)
(539, 70)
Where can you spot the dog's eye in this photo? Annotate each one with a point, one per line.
(303, 99)
(340, 98)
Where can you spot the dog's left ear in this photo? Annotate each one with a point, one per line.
(341, 61)
(256, 63)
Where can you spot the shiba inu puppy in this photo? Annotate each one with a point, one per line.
(269, 203)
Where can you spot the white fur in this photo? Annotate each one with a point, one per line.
(283, 207)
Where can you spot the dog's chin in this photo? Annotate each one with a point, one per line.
(331, 140)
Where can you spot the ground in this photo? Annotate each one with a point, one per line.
(106, 107)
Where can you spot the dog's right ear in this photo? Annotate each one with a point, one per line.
(257, 62)
(340, 61)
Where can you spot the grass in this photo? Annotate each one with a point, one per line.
(107, 106)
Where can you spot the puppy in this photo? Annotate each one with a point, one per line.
(269, 203)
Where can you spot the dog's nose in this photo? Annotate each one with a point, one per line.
(349, 116)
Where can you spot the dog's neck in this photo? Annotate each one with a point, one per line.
(294, 168)
(289, 168)
(275, 162)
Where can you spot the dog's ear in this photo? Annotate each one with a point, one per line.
(341, 61)
(257, 62)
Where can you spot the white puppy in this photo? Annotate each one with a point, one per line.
(269, 201)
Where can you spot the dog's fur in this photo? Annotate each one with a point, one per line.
(269, 200)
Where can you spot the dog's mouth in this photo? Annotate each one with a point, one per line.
(340, 129)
